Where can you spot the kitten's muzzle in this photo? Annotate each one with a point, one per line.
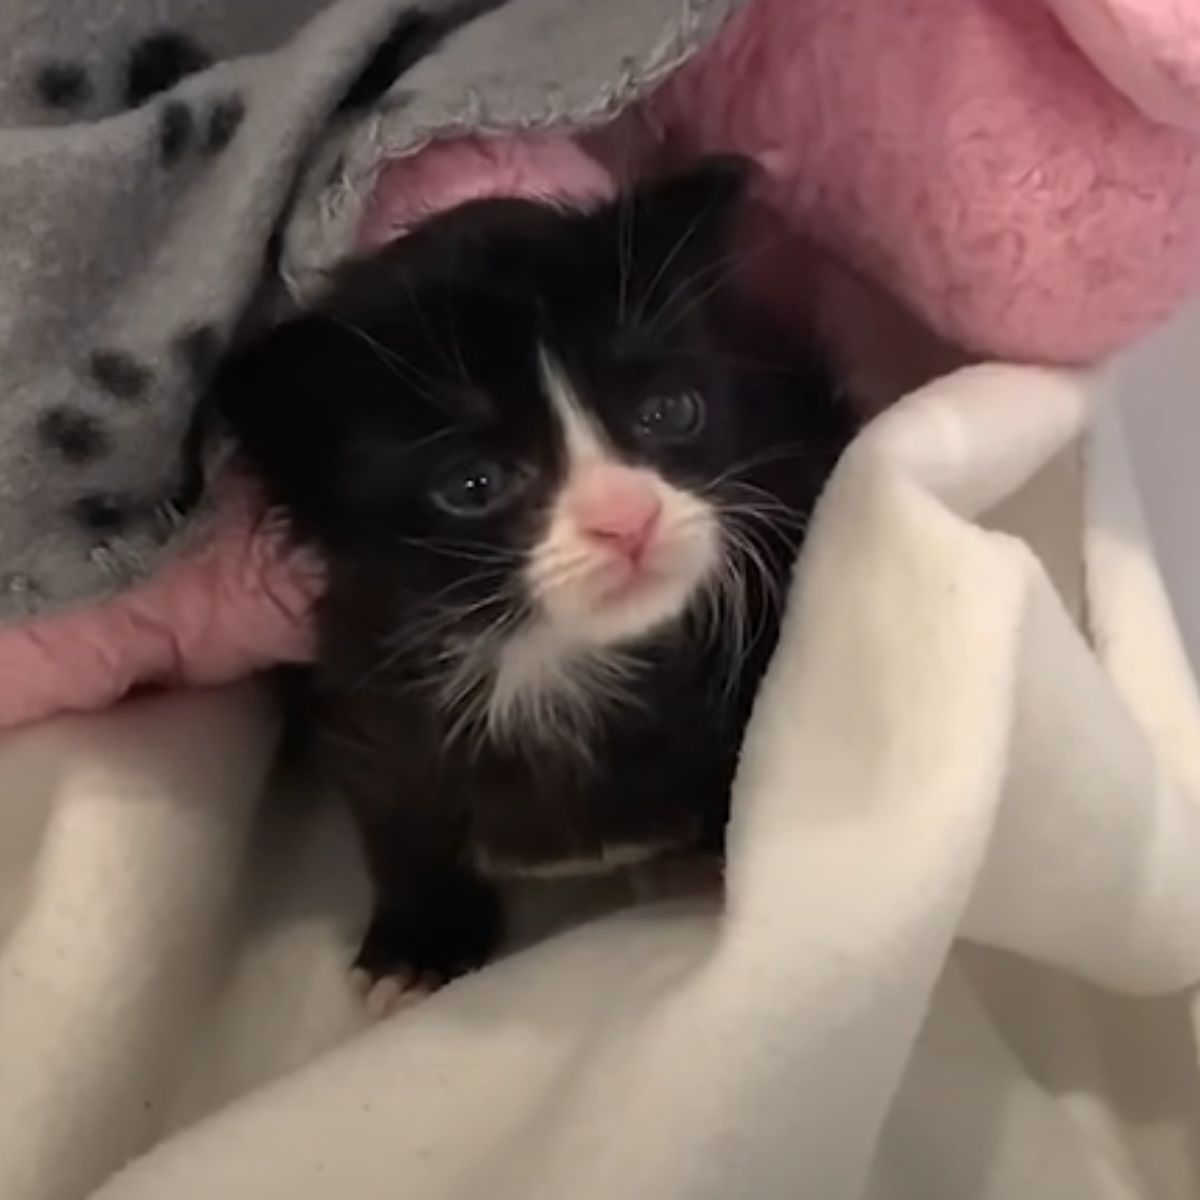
(617, 509)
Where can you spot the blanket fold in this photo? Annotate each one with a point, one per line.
(938, 754)
(958, 950)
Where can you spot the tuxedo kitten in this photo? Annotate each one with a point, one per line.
(559, 490)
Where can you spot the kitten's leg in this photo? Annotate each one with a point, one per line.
(433, 918)
(425, 932)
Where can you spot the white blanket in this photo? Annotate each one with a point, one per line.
(963, 903)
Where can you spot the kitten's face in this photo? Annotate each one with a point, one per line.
(619, 548)
(523, 429)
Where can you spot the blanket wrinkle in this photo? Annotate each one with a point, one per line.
(947, 814)
(959, 949)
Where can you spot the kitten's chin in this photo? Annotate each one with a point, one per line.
(620, 604)
(636, 607)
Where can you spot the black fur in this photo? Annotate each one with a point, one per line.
(427, 352)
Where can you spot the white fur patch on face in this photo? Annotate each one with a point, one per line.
(583, 438)
(588, 589)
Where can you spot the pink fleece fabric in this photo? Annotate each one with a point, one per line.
(1151, 50)
(1024, 173)
(540, 166)
(1018, 188)
(239, 602)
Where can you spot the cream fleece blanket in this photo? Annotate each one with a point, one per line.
(963, 903)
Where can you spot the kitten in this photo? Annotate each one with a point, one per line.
(559, 494)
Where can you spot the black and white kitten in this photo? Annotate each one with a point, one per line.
(559, 492)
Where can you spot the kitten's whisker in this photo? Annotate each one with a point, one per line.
(399, 367)
(452, 617)
(757, 504)
(558, 570)
(725, 266)
(743, 572)
(625, 215)
(785, 528)
(749, 561)
(710, 354)
(434, 609)
(420, 638)
(425, 442)
(465, 692)
(565, 577)
(431, 336)
(718, 272)
(452, 330)
(806, 451)
(722, 269)
(733, 597)
(680, 245)
(464, 552)
(750, 488)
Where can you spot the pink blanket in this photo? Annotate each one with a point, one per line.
(237, 603)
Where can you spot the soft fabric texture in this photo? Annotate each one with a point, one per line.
(948, 747)
(550, 168)
(1150, 51)
(969, 155)
(137, 217)
(239, 601)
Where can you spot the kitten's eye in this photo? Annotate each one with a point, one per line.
(672, 418)
(477, 487)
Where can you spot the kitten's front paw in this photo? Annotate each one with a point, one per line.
(384, 996)
(422, 939)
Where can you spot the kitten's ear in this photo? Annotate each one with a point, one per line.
(303, 404)
(686, 222)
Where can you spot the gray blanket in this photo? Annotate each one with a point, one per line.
(157, 156)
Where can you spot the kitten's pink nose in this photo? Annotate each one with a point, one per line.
(617, 506)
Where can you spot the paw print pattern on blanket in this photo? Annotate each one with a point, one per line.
(63, 85)
(175, 130)
(224, 120)
(155, 64)
(146, 161)
(103, 513)
(120, 374)
(77, 436)
(70, 434)
(159, 62)
(180, 130)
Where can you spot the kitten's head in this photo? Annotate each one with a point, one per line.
(523, 441)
